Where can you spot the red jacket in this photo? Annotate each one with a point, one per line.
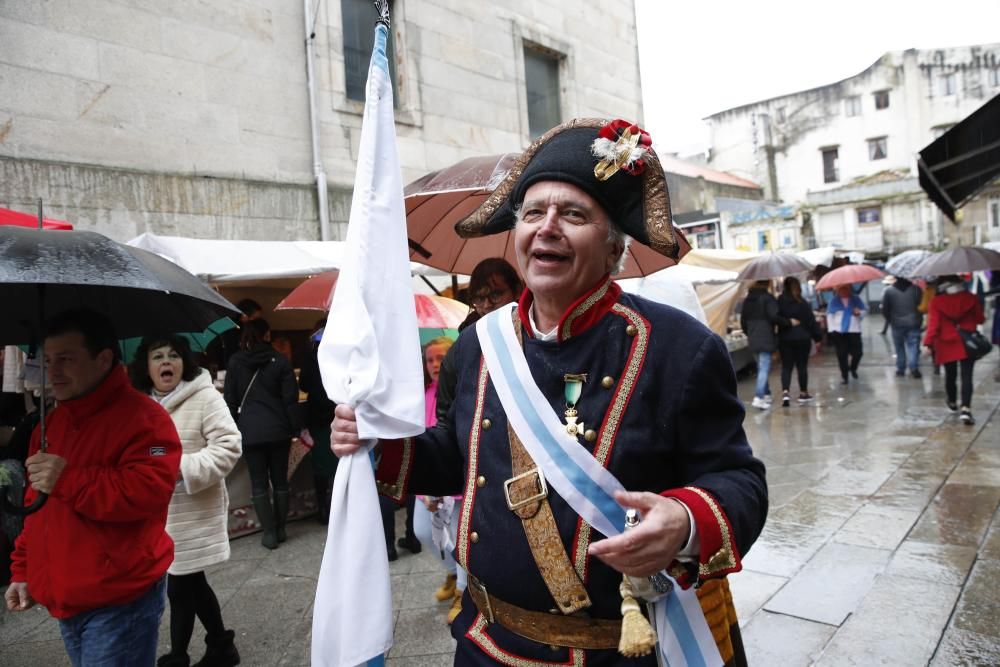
(945, 311)
(100, 539)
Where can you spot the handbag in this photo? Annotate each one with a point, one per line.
(976, 344)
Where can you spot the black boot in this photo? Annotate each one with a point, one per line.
(173, 660)
(280, 514)
(220, 651)
(322, 485)
(265, 515)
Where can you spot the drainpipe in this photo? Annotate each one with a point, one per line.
(318, 171)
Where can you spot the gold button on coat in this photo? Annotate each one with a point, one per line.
(474, 537)
(480, 481)
(486, 424)
(608, 382)
(590, 435)
(631, 330)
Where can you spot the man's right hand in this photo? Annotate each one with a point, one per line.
(344, 439)
(17, 597)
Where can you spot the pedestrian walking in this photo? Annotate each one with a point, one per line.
(901, 310)
(795, 340)
(952, 309)
(263, 398)
(843, 325)
(97, 552)
(198, 517)
(758, 319)
(318, 416)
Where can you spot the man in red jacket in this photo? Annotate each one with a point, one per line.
(96, 554)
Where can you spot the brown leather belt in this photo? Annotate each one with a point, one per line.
(538, 626)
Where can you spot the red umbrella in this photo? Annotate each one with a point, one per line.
(848, 275)
(18, 219)
(433, 312)
(436, 201)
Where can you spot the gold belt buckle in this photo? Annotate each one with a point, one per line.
(542, 493)
(478, 585)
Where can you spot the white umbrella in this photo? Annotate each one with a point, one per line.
(370, 359)
(904, 263)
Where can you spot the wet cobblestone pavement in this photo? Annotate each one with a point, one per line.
(882, 546)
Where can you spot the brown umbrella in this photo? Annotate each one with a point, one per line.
(435, 202)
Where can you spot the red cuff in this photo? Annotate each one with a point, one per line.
(392, 476)
(717, 554)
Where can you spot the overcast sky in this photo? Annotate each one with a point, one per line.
(701, 56)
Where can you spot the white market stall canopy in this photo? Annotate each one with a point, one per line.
(264, 270)
(706, 294)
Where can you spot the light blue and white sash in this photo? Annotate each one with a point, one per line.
(685, 639)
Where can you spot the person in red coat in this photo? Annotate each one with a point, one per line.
(954, 307)
(97, 552)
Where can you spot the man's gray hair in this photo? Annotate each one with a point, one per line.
(615, 235)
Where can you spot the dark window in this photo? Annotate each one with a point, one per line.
(877, 148)
(869, 216)
(830, 174)
(881, 99)
(359, 39)
(779, 114)
(995, 77)
(541, 78)
(852, 105)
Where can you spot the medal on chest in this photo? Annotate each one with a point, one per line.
(573, 390)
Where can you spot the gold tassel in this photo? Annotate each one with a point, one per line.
(638, 637)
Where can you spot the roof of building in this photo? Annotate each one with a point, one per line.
(885, 56)
(679, 167)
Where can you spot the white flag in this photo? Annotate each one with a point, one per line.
(369, 359)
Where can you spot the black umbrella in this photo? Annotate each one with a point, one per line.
(43, 273)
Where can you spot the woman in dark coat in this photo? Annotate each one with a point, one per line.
(263, 396)
(758, 320)
(795, 340)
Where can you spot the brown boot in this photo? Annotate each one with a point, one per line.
(447, 590)
(456, 607)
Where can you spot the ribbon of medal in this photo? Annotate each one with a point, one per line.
(574, 387)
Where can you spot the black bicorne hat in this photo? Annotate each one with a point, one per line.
(612, 161)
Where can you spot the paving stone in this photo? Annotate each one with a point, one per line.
(751, 590)
(945, 563)
(775, 639)
(814, 509)
(960, 514)
(412, 635)
(830, 586)
(962, 648)
(898, 623)
(979, 607)
(877, 527)
(980, 467)
(783, 548)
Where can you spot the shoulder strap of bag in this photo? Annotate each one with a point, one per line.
(244, 400)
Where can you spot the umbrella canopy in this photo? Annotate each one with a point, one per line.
(904, 263)
(774, 265)
(18, 219)
(140, 292)
(848, 275)
(959, 260)
(198, 340)
(433, 312)
(438, 200)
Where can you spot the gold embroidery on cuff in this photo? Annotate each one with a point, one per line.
(724, 558)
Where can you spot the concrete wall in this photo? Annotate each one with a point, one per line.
(191, 116)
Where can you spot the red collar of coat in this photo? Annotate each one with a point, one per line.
(582, 314)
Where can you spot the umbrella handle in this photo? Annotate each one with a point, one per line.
(20, 510)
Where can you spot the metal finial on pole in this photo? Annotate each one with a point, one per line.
(382, 7)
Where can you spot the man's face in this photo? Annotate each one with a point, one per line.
(70, 368)
(561, 241)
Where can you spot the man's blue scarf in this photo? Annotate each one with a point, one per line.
(837, 304)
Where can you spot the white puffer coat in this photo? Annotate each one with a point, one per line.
(198, 516)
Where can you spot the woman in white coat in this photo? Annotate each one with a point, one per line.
(197, 519)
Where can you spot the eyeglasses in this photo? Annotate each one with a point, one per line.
(494, 297)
